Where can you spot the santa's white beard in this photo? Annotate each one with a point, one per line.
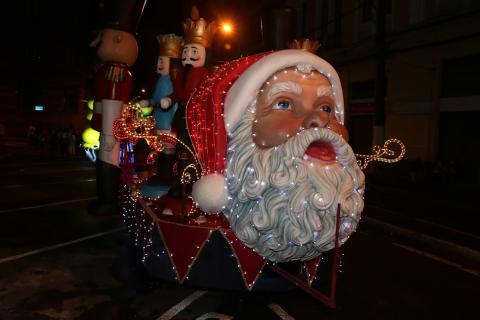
(284, 207)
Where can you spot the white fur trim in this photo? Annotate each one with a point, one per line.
(210, 193)
(246, 87)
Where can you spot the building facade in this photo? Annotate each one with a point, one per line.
(431, 51)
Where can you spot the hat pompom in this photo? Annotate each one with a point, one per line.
(210, 193)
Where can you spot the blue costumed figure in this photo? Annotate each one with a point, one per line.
(169, 57)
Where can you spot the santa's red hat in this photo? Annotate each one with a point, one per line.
(218, 104)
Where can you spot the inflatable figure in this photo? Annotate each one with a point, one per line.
(170, 49)
(117, 49)
(275, 156)
(198, 36)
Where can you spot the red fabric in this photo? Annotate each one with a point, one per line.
(184, 239)
(183, 243)
(107, 89)
(251, 264)
(205, 114)
(312, 266)
(182, 93)
(166, 202)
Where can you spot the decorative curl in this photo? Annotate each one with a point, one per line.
(382, 154)
(134, 125)
(186, 175)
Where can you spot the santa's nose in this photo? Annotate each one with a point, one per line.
(316, 120)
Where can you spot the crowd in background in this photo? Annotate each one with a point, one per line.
(63, 141)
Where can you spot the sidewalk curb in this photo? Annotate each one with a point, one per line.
(446, 248)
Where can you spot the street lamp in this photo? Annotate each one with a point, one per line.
(226, 28)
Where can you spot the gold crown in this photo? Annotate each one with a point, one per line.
(170, 45)
(304, 44)
(199, 31)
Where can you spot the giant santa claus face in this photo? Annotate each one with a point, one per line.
(288, 168)
(291, 100)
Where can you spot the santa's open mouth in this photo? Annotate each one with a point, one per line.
(321, 150)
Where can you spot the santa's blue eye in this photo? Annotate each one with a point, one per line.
(282, 105)
(326, 109)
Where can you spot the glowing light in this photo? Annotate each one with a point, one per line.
(91, 138)
(147, 111)
(90, 104)
(227, 28)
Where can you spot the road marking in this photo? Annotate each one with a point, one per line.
(52, 204)
(83, 163)
(465, 252)
(280, 312)
(13, 186)
(426, 222)
(173, 311)
(59, 245)
(440, 226)
(214, 315)
(438, 259)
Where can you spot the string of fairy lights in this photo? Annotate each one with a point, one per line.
(134, 125)
(383, 154)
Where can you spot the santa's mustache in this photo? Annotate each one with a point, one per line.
(191, 59)
(299, 143)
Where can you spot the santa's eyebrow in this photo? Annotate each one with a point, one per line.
(287, 86)
(324, 91)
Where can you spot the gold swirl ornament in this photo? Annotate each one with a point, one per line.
(393, 150)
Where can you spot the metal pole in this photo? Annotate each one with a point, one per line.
(380, 77)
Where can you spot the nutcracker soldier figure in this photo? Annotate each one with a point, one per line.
(198, 35)
(169, 57)
(117, 49)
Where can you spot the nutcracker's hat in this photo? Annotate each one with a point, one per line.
(122, 14)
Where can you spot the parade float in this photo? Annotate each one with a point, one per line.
(263, 183)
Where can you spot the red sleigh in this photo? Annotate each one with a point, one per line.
(190, 247)
(208, 254)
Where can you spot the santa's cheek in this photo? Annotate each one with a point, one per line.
(339, 129)
(270, 134)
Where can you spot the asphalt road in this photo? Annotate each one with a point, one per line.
(57, 262)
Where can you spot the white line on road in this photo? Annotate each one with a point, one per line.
(83, 163)
(59, 245)
(52, 204)
(427, 223)
(280, 312)
(438, 259)
(440, 226)
(214, 315)
(173, 311)
(13, 186)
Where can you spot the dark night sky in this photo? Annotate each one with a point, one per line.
(50, 38)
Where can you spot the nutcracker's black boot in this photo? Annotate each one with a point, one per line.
(108, 183)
